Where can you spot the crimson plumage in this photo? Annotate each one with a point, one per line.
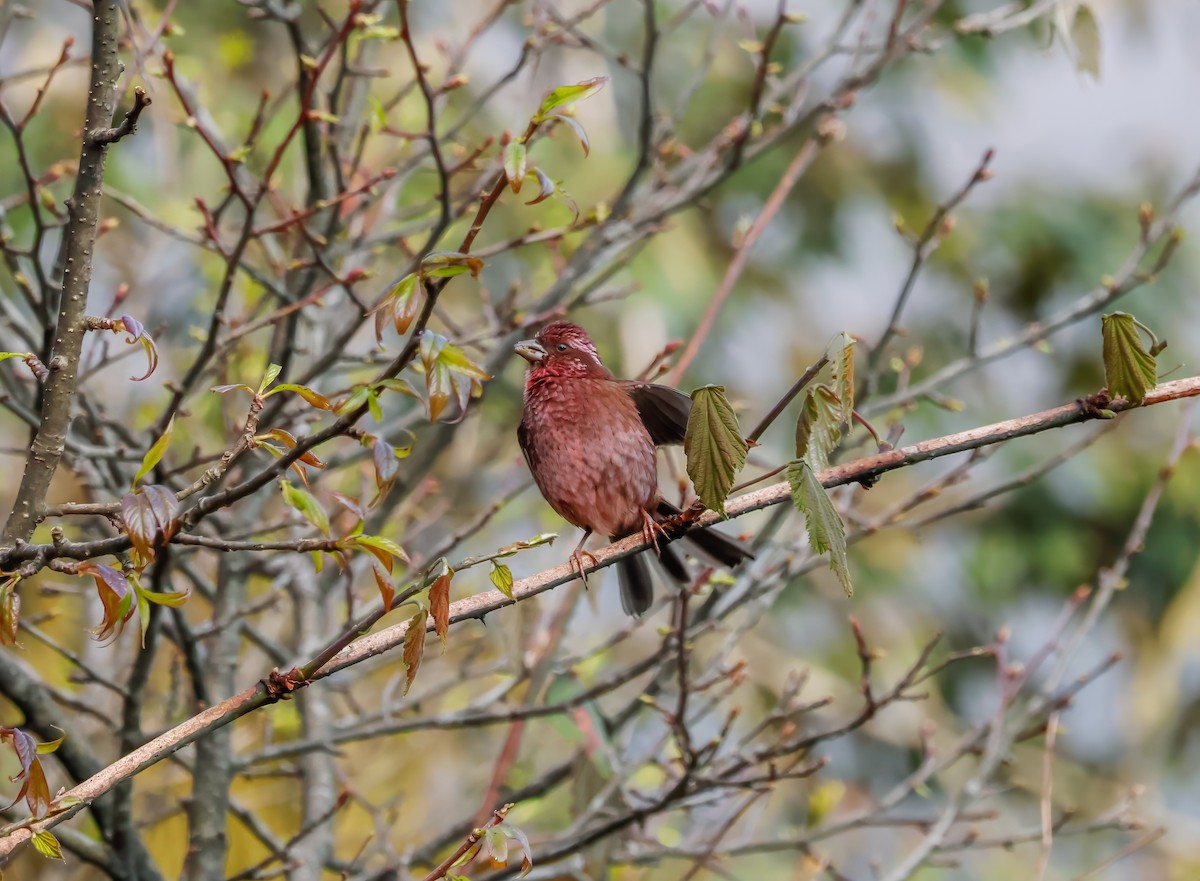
(590, 442)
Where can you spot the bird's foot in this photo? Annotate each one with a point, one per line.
(577, 562)
(651, 530)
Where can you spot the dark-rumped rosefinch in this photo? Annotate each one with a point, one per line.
(590, 440)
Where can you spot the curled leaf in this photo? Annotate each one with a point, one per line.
(576, 127)
(546, 187)
(137, 334)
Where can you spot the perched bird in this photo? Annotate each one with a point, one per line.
(590, 440)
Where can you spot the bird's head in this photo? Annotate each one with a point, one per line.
(562, 349)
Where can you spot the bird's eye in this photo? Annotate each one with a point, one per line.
(562, 347)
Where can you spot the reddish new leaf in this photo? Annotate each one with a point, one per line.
(149, 517)
(34, 788)
(387, 587)
(414, 647)
(439, 606)
(115, 596)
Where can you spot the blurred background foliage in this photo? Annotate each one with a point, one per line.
(1075, 156)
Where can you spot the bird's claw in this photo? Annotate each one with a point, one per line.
(577, 563)
(651, 529)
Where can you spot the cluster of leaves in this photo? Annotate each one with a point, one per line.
(716, 451)
(824, 418)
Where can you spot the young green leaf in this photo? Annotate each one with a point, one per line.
(47, 845)
(441, 264)
(843, 376)
(10, 610)
(269, 377)
(502, 577)
(1129, 369)
(713, 446)
(307, 504)
(826, 531)
(564, 95)
(514, 164)
(819, 428)
(155, 453)
(4, 356)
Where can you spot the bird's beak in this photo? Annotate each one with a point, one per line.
(531, 350)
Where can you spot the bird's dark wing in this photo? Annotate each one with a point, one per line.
(526, 442)
(664, 411)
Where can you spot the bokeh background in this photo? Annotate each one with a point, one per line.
(1075, 156)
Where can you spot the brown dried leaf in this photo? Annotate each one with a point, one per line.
(414, 647)
(439, 606)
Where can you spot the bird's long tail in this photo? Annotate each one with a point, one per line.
(637, 590)
(637, 586)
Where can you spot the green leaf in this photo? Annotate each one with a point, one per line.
(713, 445)
(47, 845)
(514, 164)
(1129, 370)
(10, 610)
(384, 549)
(819, 428)
(269, 376)
(307, 504)
(1085, 35)
(155, 453)
(448, 263)
(564, 95)
(4, 356)
(843, 376)
(502, 577)
(172, 598)
(826, 531)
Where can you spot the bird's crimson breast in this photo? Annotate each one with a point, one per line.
(590, 453)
